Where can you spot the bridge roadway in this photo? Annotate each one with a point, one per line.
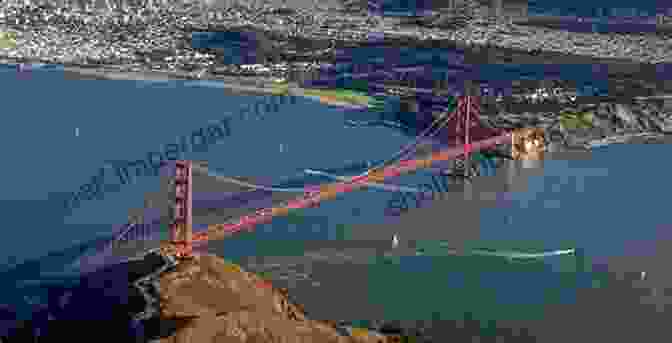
(313, 196)
(131, 241)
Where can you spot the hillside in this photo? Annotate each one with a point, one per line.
(215, 301)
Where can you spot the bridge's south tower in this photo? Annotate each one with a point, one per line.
(181, 223)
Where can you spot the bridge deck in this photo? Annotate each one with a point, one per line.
(330, 191)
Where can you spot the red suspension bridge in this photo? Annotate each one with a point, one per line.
(470, 136)
(467, 133)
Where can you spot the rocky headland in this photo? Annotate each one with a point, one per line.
(216, 301)
(155, 298)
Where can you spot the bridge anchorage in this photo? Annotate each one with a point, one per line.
(528, 144)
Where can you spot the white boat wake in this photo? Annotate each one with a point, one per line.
(512, 255)
(508, 254)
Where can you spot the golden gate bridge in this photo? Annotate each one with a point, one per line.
(468, 136)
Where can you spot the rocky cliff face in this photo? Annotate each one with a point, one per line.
(215, 301)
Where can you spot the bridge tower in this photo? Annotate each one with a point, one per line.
(467, 111)
(466, 125)
(181, 223)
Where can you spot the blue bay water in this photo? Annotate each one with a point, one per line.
(121, 120)
(598, 204)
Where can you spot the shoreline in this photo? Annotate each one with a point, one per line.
(226, 82)
(245, 85)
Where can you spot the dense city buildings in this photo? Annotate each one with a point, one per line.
(129, 36)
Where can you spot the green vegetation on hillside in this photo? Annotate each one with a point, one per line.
(7, 40)
(280, 89)
(232, 267)
(344, 95)
(573, 121)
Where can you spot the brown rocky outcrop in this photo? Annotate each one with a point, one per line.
(219, 302)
